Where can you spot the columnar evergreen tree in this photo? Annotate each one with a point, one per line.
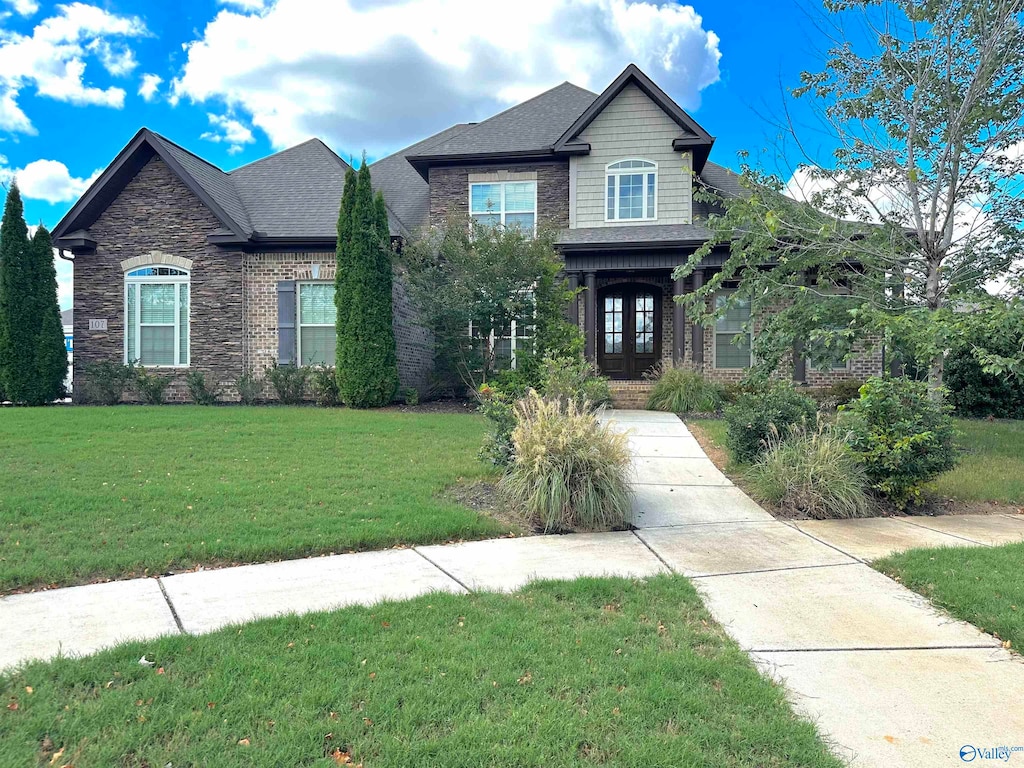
(366, 363)
(51, 363)
(343, 268)
(17, 303)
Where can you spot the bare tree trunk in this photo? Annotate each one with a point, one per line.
(933, 296)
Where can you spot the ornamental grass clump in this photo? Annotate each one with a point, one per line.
(811, 474)
(678, 390)
(569, 471)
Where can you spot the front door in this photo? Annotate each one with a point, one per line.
(628, 330)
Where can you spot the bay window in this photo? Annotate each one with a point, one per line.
(157, 316)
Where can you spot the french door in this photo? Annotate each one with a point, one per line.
(628, 330)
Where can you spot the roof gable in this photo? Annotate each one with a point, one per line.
(206, 181)
(691, 134)
(527, 129)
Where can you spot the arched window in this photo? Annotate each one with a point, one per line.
(632, 190)
(156, 304)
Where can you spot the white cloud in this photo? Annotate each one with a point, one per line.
(228, 130)
(149, 86)
(245, 5)
(53, 57)
(24, 7)
(409, 67)
(48, 180)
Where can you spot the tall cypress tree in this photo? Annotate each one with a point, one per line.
(51, 359)
(367, 369)
(342, 292)
(18, 327)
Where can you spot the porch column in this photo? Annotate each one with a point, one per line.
(574, 305)
(697, 338)
(678, 323)
(590, 315)
(799, 362)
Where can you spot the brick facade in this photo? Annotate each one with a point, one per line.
(157, 212)
(233, 307)
(262, 272)
(449, 190)
(867, 363)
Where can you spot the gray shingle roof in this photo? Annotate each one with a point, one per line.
(405, 191)
(534, 125)
(295, 192)
(654, 234)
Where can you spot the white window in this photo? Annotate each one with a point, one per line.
(156, 316)
(507, 343)
(732, 339)
(632, 190)
(317, 313)
(508, 203)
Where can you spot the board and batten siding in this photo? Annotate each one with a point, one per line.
(631, 126)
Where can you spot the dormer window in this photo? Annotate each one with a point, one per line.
(632, 190)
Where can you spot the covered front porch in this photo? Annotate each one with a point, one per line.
(628, 314)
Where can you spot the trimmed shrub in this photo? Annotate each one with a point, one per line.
(249, 388)
(151, 386)
(106, 381)
(678, 390)
(288, 382)
(200, 391)
(569, 472)
(411, 395)
(497, 407)
(846, 390)
(902, 437)
(976, 393)
(811, 474)
(576, 379)
(756, 417)
(324, 383)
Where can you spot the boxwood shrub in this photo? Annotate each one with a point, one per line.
(755, 417)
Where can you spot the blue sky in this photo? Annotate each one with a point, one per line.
(234, 81)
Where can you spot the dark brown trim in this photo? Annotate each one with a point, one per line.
(423, 163)
(129, 161)
(701, 140)
(590, 315)
(678, 322)
(697, 330)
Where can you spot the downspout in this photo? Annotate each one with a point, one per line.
(60, 252)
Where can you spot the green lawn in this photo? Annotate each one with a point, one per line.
(590, 672)
(982, 585)
(992, 468)
(114, 492)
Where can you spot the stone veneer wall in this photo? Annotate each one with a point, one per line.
(263, 271)
(449, 190)
(157, 212)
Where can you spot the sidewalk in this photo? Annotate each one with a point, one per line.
(889, 680)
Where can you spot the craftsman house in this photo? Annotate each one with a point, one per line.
(182, 265)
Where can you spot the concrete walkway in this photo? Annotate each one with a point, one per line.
(890, 681)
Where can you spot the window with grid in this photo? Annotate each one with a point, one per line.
(613, 325)
(829, 358)
(317, 314)
(732, 340)
(508, 204)
(644, 323)
(631, 190)
(157, 316)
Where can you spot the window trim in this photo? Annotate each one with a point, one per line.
(299, 325)
(502, 212)
(183, 278)
(714, 340)
(610, 172)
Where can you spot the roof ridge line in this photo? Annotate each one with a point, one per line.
(200, 158)
(275, 154)
(532, 98)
